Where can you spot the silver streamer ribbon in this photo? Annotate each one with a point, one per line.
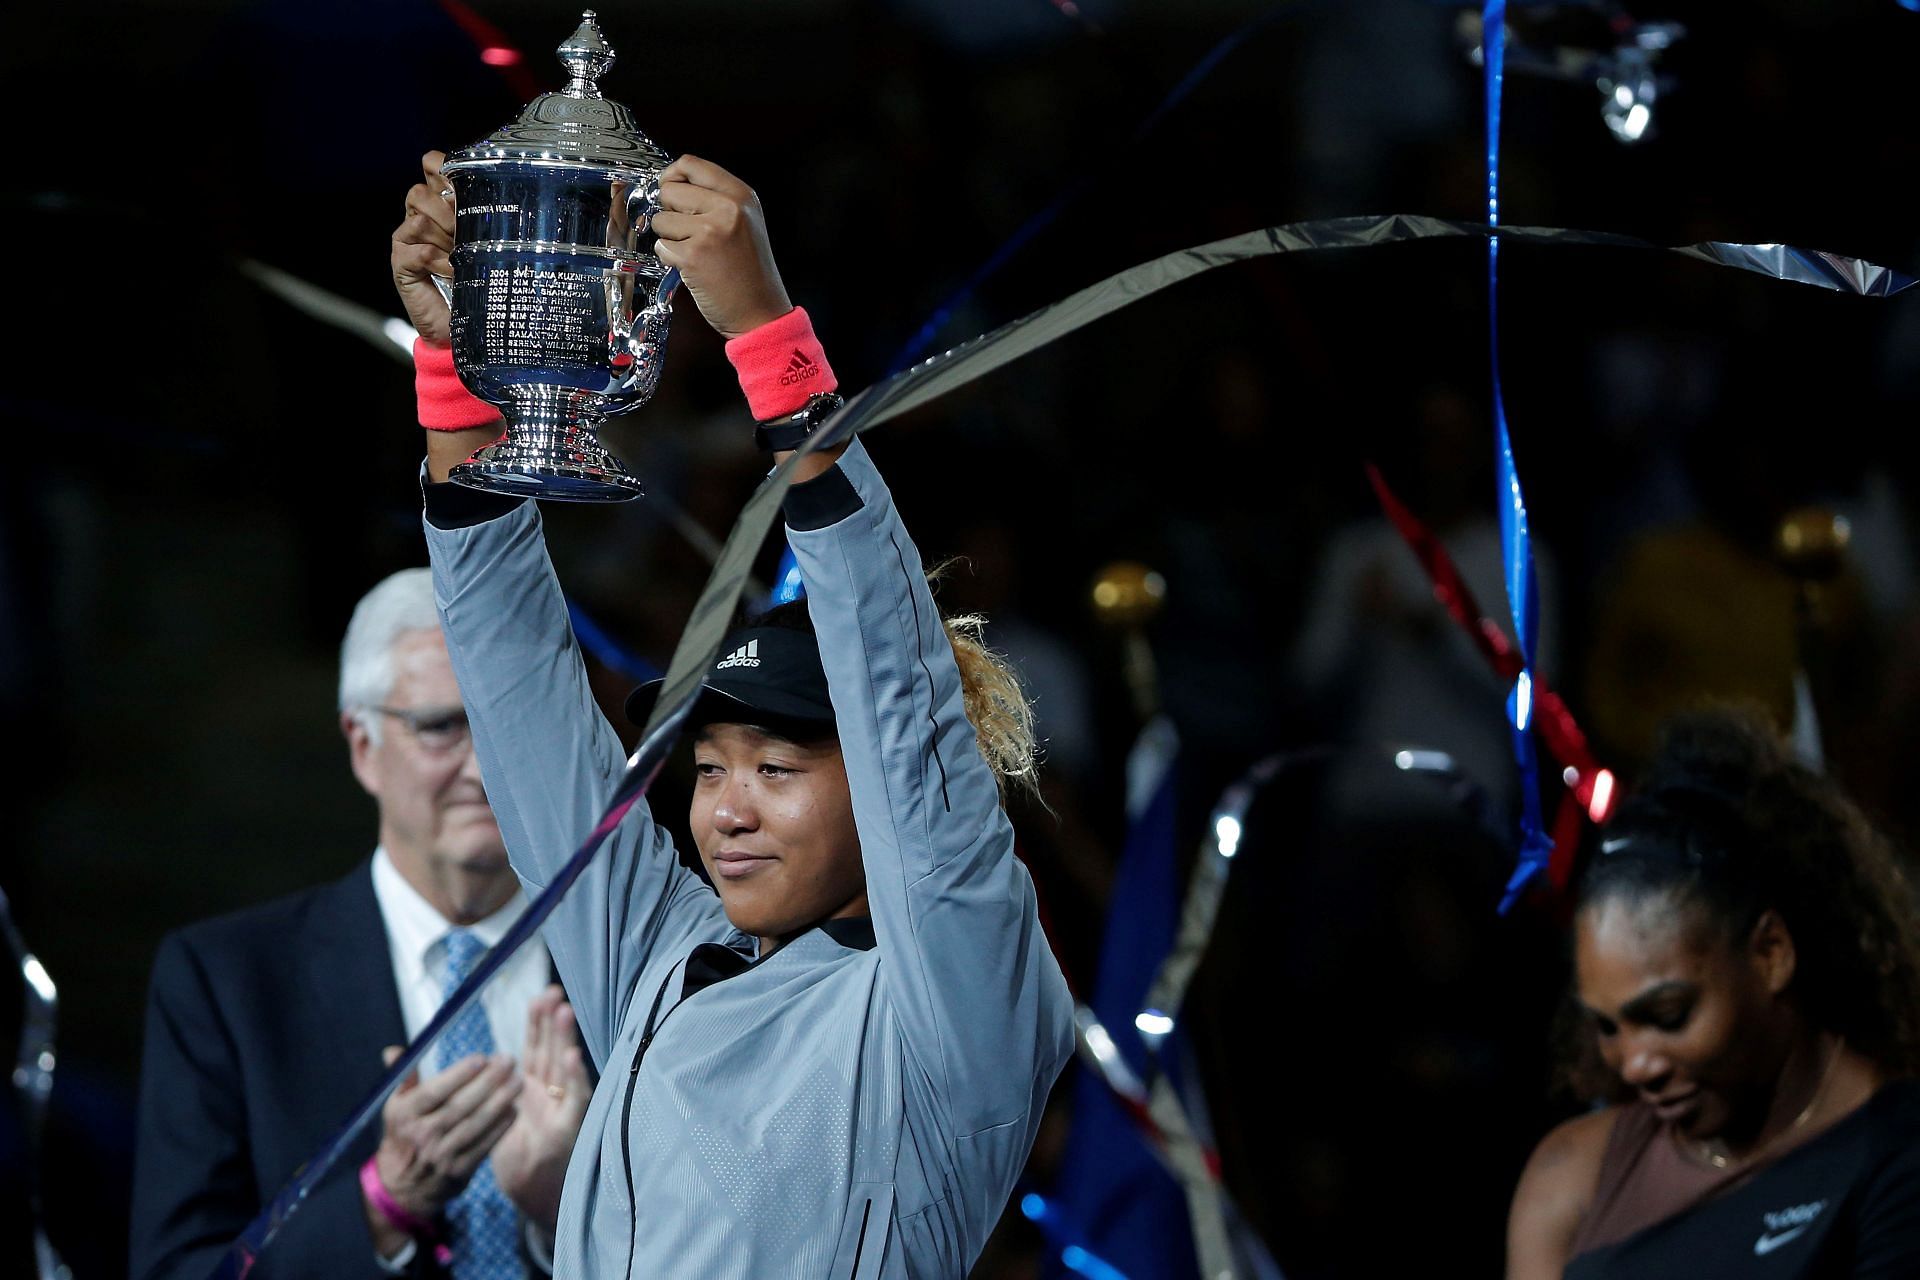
(937, 376)
(910, 389)
(1226, 836)
(33, 1078)
(1206, 886)
(390, 334)
(1186, 1157)
(1199, 910)
(1171, 1135)
(1800, 266)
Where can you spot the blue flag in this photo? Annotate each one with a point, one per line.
(1112, 1187)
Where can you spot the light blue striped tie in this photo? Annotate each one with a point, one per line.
(486, 1228)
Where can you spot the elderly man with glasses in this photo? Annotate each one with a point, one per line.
(265, 1027)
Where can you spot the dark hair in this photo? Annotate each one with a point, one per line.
(1727, 823)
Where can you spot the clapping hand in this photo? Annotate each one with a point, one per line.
(530, 1161)
(436, 1132)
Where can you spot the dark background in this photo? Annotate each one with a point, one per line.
(200, 480)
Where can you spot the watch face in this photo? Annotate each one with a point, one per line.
(776, 435)
(818, 408)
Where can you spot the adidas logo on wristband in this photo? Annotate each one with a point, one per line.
(799, 369)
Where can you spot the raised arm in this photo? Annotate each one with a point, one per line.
(981, 999)
(966, 966)
(549, 759)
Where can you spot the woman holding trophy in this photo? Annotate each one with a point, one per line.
(833, 1061)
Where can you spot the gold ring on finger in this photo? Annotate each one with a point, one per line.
(556, 1091)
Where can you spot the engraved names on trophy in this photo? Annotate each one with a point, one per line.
(541, 315)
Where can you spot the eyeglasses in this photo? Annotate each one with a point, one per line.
(437, 730)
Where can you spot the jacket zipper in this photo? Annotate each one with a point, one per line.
(626, 1106)
(860, 1246)
(626, 1116)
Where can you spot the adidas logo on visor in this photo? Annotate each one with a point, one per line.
(747, 655)
(799, 369)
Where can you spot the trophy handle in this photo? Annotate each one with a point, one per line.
(445, 286)
(643, 201)
(636, 338)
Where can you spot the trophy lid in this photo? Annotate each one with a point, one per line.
(575, 126)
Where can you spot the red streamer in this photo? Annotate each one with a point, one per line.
(1591, 786)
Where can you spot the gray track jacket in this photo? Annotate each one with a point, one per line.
(857, 1104)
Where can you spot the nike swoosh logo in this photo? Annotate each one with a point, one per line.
(1767, 1244)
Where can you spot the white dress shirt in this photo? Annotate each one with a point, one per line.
(416, 937)
(417, 941)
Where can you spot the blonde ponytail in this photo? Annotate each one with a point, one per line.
(996, 705)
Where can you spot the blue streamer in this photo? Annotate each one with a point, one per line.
(1074, 1256)
(787, 585)
(610, 653)
(1515, 543)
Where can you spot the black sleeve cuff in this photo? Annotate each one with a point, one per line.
(827, 499)
(455, 506)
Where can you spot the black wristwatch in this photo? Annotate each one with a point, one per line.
(777, 435)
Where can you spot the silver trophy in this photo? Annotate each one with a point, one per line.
(559, 307)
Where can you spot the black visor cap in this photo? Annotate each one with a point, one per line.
(765, 676)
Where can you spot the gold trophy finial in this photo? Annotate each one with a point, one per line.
(1811, 542)
(1126, 597)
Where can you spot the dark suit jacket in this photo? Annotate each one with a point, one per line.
(264, 1030)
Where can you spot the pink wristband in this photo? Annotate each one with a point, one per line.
(418, 1228)
(781, 364)
(444, 403)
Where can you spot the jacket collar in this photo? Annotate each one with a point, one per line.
(712, 962)
(852, 932)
